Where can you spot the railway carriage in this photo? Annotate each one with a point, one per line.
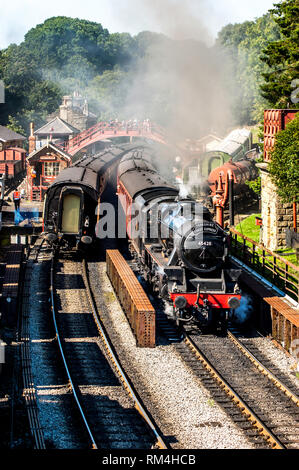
(70, 207)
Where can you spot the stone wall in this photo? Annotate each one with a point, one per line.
(76, 118)
(277, 216)
(74, 111)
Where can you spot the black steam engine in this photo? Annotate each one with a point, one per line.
(181, 251)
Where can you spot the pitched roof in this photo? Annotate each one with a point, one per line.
(57, 126)
(53, 147)
(7, 135)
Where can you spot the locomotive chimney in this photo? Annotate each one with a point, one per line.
(32, 138)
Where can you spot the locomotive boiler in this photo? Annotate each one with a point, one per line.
(181, 251)
(241, 171)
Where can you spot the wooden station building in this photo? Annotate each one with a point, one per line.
(46, 158)
(43, 166)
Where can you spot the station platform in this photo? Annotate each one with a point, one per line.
(29, 210)
(284, 312)
(26, 221)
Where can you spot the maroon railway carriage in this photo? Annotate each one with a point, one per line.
(71, 207)
(181, 251)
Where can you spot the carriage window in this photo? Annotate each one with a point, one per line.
(51, 168)
(71, 213)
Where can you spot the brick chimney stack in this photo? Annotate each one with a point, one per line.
(32, 138)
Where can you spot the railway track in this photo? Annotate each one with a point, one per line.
(268, 421)
(253, 396)
(249, 349)
(103, 393)
(259, 398)
(29, 390)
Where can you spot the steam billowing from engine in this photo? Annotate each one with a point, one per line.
(181, 250)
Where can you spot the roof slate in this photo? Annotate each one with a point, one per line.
(53, 147)
(57, 126)
(7, 135)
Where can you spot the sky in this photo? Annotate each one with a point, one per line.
(132, 16)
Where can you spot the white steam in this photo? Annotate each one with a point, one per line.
(245, 310)
(177, 19)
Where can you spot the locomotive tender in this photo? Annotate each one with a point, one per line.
(180, 250)
(70, 207)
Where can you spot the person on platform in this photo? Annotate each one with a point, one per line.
(17, 199)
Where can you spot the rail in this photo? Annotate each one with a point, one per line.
(29, 391)
(281, 272)
(255, 421)
(120, 371)
(59, 340)
(264, 370)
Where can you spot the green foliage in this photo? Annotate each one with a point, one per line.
(255, 185)
(265, 57)
(282, 56)
(27, 93)
(284, 167)
(58, 57)
(107, 93)
(60, 38)
(63, 55)
(244, 43)
(14, 125)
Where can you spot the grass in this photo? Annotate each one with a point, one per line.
(288, 254)
(287, 282)
(249, 229)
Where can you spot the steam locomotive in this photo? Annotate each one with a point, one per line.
(242, 171)
(180, 250)
(70, 207)
(235, 153)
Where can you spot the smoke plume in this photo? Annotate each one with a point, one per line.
(181, 82)
(245, 310)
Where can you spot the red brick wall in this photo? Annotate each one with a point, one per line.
(275, 120)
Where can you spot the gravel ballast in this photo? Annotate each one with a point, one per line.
(176, 399)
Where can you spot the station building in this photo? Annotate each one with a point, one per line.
(12, 153)
(56, 131)
(74, 111)
(43, 166)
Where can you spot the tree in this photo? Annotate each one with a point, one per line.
(243, 44)
(14, 125)
(284, 167)
(58, 57)
(282, 56)
(27, 92)
(107, 94)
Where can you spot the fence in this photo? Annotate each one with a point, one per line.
(273, 267)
